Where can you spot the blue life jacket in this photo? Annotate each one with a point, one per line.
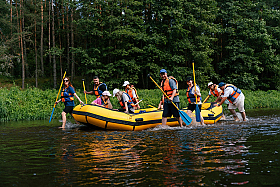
(191, 96)
(235, 94)
(66, 96)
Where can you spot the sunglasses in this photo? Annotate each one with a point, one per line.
(65, 80)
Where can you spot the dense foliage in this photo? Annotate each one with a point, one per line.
(34, 104)
(228, 40)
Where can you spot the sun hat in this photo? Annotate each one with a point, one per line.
(115, 91)
(106, 93)
(125, 83)
(162, 71)
(210, 83)
(221, 84)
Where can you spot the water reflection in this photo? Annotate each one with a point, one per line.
(223, 154)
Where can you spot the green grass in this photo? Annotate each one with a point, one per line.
(35, 104)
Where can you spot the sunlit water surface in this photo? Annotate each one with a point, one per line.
(225, 154)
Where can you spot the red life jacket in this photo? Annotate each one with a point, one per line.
(166, 87)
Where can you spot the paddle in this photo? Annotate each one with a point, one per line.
(187, 120)
(57, 96)
(197, 111)
(206, 99)
(85, 90)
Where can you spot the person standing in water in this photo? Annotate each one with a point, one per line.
(67, 97)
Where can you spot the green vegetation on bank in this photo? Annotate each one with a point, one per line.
(35, 104)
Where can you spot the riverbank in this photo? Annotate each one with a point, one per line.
(36, 104)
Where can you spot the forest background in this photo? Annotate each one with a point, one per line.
(232, 41)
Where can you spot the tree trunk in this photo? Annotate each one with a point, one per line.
(59, 36)
(72, 44)
(21, 44)
(35, 43)
(11, 16)
(53, 38)
(50, 56)
(68, 40)
(42, 36)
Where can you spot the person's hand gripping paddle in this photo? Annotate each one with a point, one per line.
(186, 119)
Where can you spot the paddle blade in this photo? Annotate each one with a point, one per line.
(186, 119)
(197, 114)
(51, 115)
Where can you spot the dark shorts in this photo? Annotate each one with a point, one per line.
(68, 109)
(192, 107)
(169, 109)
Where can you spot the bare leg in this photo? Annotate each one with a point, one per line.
(232, 111)
(75, 120)
(243, 114)
(63, 119)
(180, 121)
(201, 120)
(164, 120)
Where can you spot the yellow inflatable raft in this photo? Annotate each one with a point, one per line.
(107, 119)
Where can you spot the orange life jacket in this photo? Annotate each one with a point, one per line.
(66, 96)
(235, 94)
(166, 87)
(129, 92)
(104, 103)
(215, 92)
(191, 96)
(130, 104)
(97, 92)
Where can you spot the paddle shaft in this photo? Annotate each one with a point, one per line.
(60, 87)
(85, 90)
(194, 84)
(163, 92)
(206, 99)
(57, 95)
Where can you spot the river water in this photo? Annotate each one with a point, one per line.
(37, 153)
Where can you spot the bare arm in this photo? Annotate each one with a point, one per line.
(90, 92)
(78, 98)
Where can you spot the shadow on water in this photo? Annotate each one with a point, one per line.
(224, 154)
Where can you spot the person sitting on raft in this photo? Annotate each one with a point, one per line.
(104, 100)
(67, 96)
(124, 100)
(132, 92)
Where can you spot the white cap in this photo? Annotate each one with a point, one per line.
(125, 83)
(115, 91)
(210, 83)
(106, 93)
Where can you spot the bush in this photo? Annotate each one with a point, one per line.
(36, 104)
